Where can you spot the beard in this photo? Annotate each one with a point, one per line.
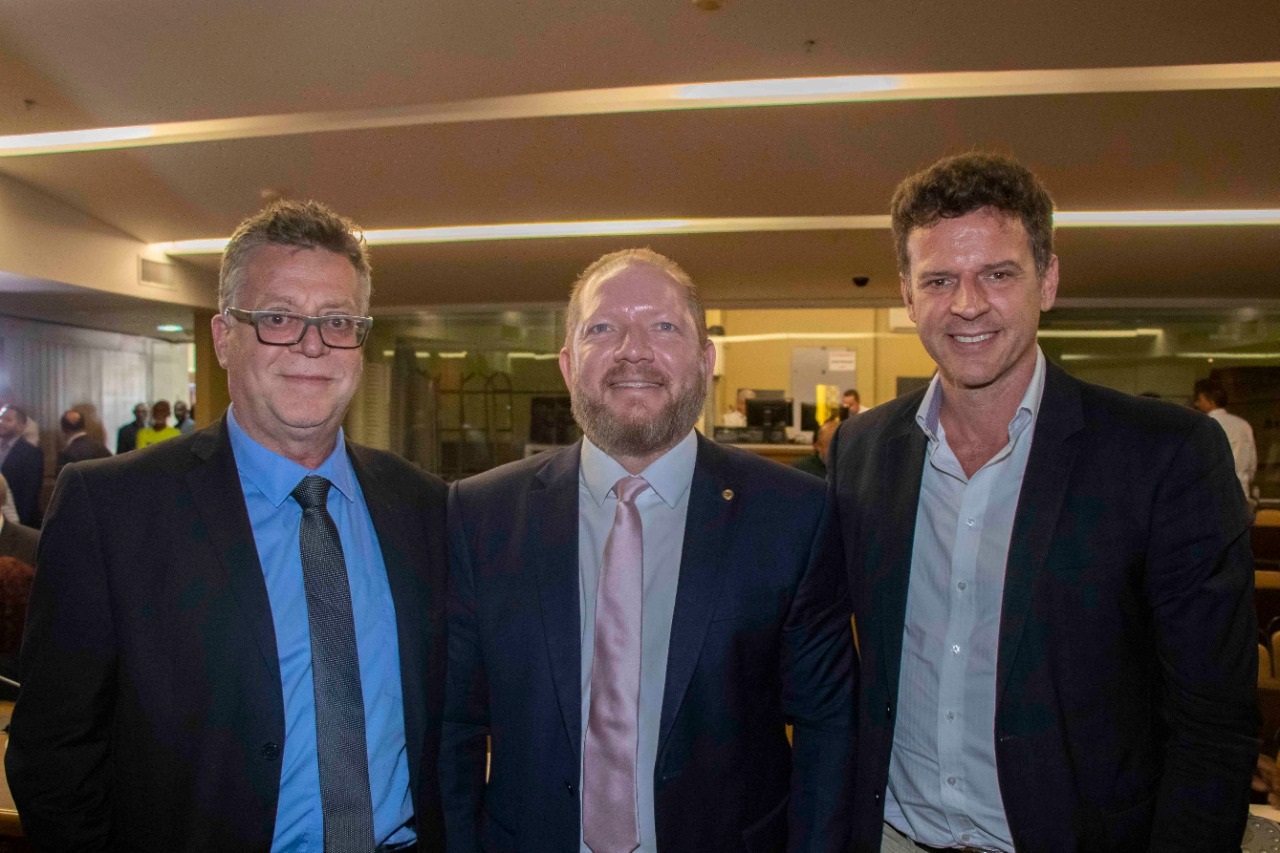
(638, 434)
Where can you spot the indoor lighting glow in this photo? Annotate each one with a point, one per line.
(462, 354)
(661, 98)
(1098, 333)
(172, 328)
(792, 87)
(733, 225)
(1253, 356)
(536, 356)
(1132, 218)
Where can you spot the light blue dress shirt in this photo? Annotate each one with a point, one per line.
(663, 509)
(267, 480)
(943, 787)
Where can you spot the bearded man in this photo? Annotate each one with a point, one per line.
(634, 620)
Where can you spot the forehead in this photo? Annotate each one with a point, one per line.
(979, 232)
(297, 274)
(633, 288)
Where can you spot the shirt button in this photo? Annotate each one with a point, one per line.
(270, 750)
(951, 780)
(951, 715)
(955, 650)
(962, 585)
(969, 521)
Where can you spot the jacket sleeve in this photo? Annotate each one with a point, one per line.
(1199, 583)
(58, 756)
(464, 746)
(819, 675)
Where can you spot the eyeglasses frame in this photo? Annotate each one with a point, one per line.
(308, 320)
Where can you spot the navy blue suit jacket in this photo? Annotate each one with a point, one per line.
(1125, 707)
(759, 638)
(151, 716)
(23, 469)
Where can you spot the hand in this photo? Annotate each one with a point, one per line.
(1266, 779)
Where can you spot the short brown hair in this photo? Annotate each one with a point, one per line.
(635, 257)
(302, 224)
(956, 186)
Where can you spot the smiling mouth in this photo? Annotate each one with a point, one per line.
(973, 339)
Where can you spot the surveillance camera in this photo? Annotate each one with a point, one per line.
(861, 281)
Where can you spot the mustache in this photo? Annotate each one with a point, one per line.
(634, 374)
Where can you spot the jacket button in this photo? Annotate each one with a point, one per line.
(270, 750)
(888, 711)
(878, 796)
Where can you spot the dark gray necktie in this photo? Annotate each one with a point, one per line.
(335, 675)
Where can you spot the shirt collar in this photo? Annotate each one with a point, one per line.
(275, 476)
(931, 406)
(669, 475)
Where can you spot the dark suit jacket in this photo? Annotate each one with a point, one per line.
(23, 468)
(18, 540)
(151, 716)
(1127, 656)
(81, 449)
(759, 638)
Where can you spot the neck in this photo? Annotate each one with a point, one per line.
(982, 415)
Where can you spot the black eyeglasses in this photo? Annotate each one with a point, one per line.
(282, 329)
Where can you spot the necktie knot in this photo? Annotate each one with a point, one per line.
(629, 488)
(312, 491)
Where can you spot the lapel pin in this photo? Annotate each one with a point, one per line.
(727, 494)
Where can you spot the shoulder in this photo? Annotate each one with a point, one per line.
(394, 472)
(520, 475)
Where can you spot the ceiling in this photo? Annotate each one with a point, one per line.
(70, 65)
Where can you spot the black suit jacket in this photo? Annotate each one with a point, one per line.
(151, 716)
(80, 449)
(1127, 656)
(23, 469)
(759, 638)
(18, 540)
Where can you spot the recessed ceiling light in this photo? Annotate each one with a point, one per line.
(171, 328)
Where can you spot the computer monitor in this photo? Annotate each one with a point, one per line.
(770, 414)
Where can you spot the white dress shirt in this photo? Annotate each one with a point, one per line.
(663, 509)
(943, 787)
(1243, 449)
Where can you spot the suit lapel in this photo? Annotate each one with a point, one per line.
(1044, 485)
(901, 467)
(552, 546)
(218, 497)
(707, 533)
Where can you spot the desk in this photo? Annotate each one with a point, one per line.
(783, 453)
(10, 827)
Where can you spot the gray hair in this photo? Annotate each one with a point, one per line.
(302, 224)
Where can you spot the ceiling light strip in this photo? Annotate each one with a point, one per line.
(735, 225)
(634, 99)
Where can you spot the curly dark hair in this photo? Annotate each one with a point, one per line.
(303, 224)
(15, 588)
(956, 186)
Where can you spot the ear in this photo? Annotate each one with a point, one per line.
(709, 360)
(904, 283)
(1049, 284)
(566, 367)
(221, 328)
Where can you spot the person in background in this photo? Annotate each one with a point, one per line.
(22, 464)
(77, 445)
(850, 404)
(159, 429)
(1211, 398)
(182, 417)
(737, 416)
(127, 435)
(255, 660)
(1051, 580)
(634, 620)
(16, 540)
(816, 463)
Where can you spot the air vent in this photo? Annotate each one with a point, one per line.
(157, 273)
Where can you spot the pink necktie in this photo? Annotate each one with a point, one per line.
(609, 822)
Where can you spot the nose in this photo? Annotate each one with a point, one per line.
(311, 344)
(634, 347)
(969, 300)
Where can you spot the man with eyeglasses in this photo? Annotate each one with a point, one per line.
(279, 685)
